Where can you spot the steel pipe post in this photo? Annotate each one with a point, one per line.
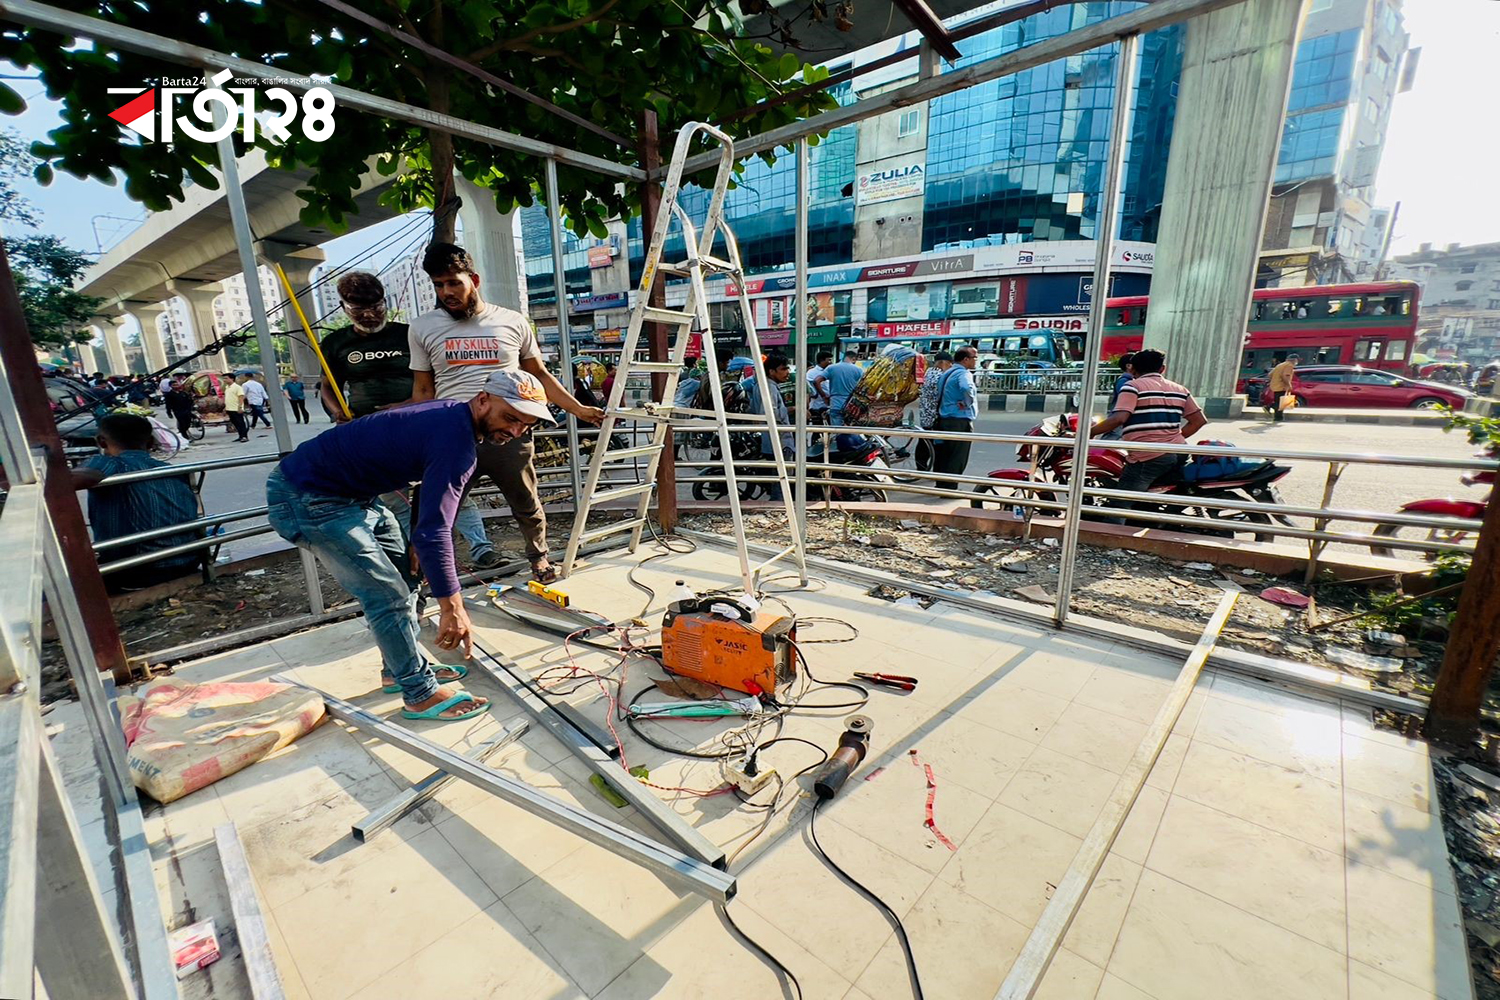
(564, 334)
(244, 240)
(1104, 244)
(804, 194)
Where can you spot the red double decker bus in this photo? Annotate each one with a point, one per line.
(1370, 324)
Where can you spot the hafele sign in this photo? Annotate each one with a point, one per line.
(890, 183)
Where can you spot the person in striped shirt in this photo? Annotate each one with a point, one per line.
(1151, 407)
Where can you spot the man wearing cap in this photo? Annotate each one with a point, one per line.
(370, 362)
(325, 497)
(454, 348)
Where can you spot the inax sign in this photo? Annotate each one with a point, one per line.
(890, 184)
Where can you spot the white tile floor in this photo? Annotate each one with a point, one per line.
(1282, 847)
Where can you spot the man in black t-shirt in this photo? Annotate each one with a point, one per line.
(371, 359)
(371, 363)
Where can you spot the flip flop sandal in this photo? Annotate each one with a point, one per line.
(456, 671)
(544, 576)
(435, 713)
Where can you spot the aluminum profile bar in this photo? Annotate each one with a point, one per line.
(1109, 202)
(670, 865)
(1026, 973)
(119, 36)
(564, 330)
(387, 814)
(1144, 19)
(249, 922)
(507, 674)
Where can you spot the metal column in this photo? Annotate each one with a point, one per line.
(800, 489)
(564, 336)
(244, 240)
(1105, 244)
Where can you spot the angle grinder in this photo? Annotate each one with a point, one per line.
(853, 745)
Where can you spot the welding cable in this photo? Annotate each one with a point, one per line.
(759, 949)
(890, 914)
(797, 704)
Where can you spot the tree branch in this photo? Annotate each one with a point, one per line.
(520, 41)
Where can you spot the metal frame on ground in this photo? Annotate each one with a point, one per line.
(679, 869)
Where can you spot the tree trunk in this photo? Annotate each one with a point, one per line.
(444, 204)
(440, 144)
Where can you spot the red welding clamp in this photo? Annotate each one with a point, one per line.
(890, 680)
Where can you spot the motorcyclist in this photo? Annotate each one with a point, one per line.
(1151, 408)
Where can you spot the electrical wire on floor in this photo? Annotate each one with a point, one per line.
(890, 914)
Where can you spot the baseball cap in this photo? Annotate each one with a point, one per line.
(522, 390)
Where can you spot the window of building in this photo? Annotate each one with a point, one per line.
(911, 122)
(1392, 20)
(1464, 286)
(1318, 5)
(1468, 269)
(1372, 110)
(1494, 304)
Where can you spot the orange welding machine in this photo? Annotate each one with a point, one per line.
(728, 643)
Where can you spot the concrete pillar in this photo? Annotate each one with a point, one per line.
(1237, 68)
(199, 296)
(490, 238)
(86, 358)
(114, 350)
(148, 315)
(298, 262)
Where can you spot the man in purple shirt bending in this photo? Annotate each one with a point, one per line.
(325, 497)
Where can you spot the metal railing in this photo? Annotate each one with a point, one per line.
(1038, 380)
(54, 921)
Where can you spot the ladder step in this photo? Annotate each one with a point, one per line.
(715, 264)
(665, 367)
(671, 317)
(680, 270)
(610, 529)
(621, 454)
(657, 411)
(780, 555)
(633, 490)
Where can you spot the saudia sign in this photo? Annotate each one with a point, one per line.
(890, 184)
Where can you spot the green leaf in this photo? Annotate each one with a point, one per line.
(789, 66)
(598, 228)
(43, 174)
(11, 102)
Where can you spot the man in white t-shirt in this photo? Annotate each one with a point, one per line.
(256, 397)
(454, 348)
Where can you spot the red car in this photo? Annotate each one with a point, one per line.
(1353, 387)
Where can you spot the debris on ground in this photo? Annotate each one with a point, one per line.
(1133, 588)
(1285, 596)
(1469, 797)
(1363, 661)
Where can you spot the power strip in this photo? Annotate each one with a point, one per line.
(744, 781)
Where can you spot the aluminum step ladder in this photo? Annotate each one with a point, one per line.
(700, 263)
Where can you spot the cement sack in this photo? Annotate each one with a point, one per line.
(181, 737)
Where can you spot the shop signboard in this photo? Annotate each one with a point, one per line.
(934, 328)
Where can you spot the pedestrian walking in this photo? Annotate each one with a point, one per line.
(296, 397)
(179, 402)
(957, 403)
(234, 406)
(256, 398)
(927, 407)
(1279, 384)
(322, 497)
(454, 349)
(778, 370)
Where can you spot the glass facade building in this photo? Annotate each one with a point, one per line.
(1322, 79)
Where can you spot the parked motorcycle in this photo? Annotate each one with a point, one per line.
(1051, 461)
(864, 455)
(1444, 507)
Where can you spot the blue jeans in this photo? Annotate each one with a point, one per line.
(361, 544)
(470, 526)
